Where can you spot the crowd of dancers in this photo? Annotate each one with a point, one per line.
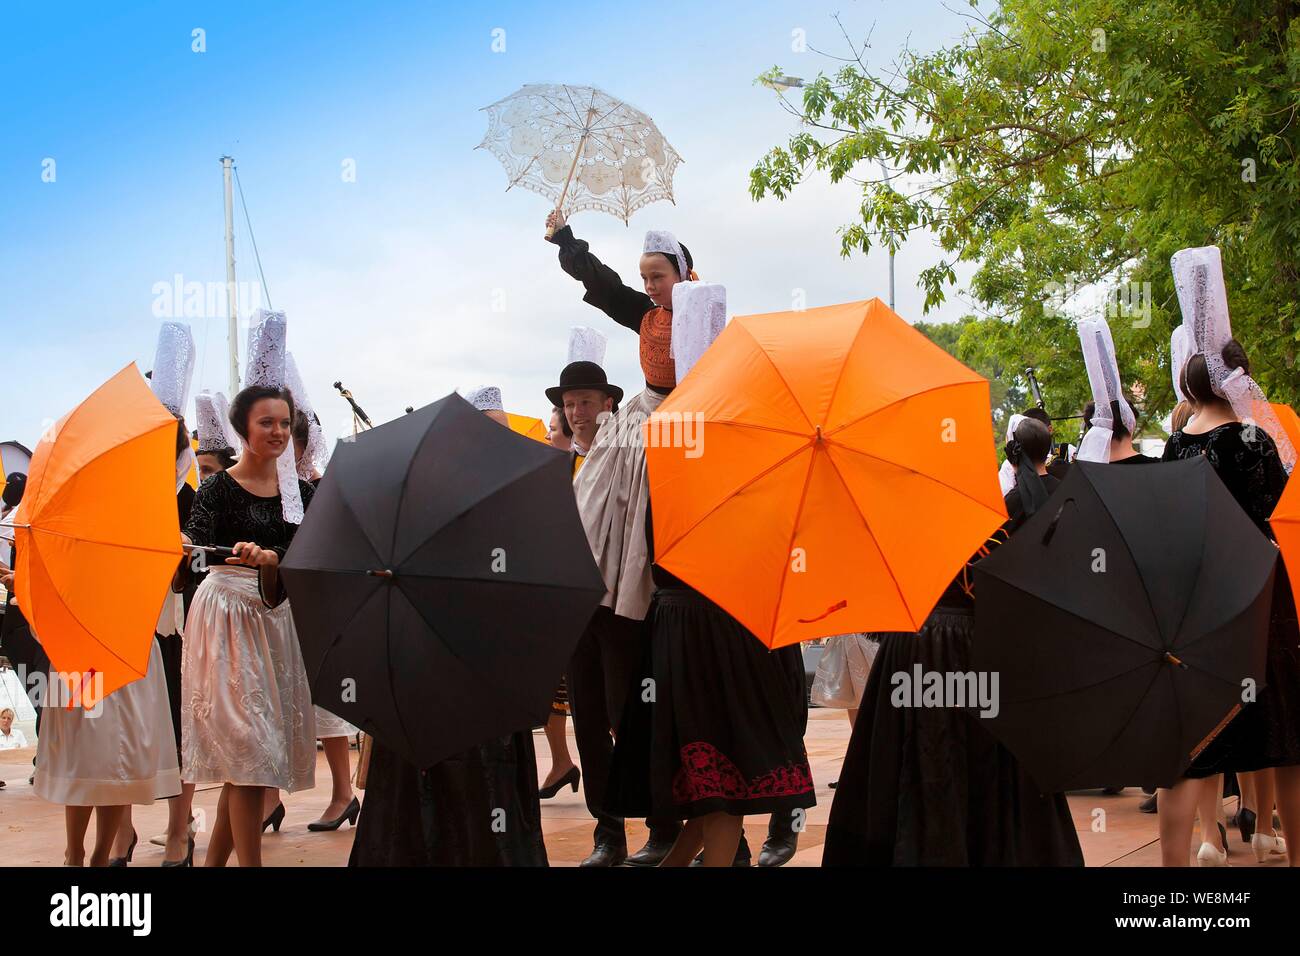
(226, 698)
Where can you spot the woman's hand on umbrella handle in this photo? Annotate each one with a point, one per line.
(7, 580)
(554, 223)
(250, 555)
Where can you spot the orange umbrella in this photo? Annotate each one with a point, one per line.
(822, 472)
(98, 537)
(1290, 422)
(1285, 519)
(530, 427)
(192, 478)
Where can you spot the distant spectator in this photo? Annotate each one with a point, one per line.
(10, 739)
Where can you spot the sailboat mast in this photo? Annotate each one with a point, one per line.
(232, 299)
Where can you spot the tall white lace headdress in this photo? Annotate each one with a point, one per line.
(1203, 299)
(1107, 396)
(267, 366)
(173, 372)
(317, 454)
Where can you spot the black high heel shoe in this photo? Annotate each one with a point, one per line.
(130, 851)
(571, 778)
(350, 814)
(1246, 824)
(275, 819)
(189, 855)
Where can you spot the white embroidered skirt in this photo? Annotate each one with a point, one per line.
(246, 712)
(122, 752)
(332, 725)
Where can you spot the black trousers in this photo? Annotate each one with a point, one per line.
(604, 671)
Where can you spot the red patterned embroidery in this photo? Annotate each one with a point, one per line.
(706, 772)
(656, 348)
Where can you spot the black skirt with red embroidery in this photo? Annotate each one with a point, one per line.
(715, 724)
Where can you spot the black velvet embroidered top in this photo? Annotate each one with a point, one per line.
(1251, 470)
(224, 513)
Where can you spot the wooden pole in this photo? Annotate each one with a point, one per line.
(577, 153)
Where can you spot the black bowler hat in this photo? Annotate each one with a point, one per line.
(15, 485)
(578, 375)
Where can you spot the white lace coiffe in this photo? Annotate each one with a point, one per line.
(1103, 376)
(1203, 299)
(267, 366)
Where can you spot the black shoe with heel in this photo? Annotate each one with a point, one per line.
(189, 855)
(130, 851)
(275, 819)
(350, 814)
(571, 779)
(1246, 824)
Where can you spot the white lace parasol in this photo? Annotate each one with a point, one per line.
(581, 148)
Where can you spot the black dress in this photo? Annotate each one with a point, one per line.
(479, 808)
(1266, 733)
(931, 786)
(171, 646)
(720, 726)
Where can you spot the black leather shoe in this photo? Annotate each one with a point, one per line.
(1246, 824)
(349, 814)
(130, 851)
(275, 819)
(606, 854)
(778, 849)
(570, 779)
(187, 859)
(652, 854)
(1148, 805)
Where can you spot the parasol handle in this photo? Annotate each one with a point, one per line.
(565, 191)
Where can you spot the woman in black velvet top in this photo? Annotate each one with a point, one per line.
(1262, 743)
(246, 716)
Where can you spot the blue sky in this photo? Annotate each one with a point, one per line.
(389, 282)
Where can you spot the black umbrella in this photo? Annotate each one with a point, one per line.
(1122, 620)
(440, 581)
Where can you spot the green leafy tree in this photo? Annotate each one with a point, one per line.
(1078, 143)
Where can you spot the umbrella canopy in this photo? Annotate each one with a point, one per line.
(1285, 519)
(1124, 616)
(98, 536)
(580, 148)
(528, 427)
(823, 472)
(1289, 421)
(440, 581)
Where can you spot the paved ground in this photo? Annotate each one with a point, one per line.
(31, 830)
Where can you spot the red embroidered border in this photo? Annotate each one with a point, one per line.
(707, 772)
